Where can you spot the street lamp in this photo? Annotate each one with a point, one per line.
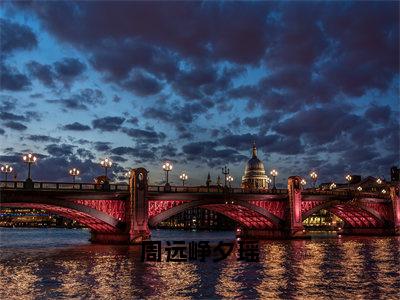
(106, 163)
(225, 171)
(379, 181)
(229, 179)
(348, 178)
(303, 182)
(29, 159)
(314, 177)
(183, 177)
(332, 186)
(6, 169)
(167, 167)
(74, 172)
(274, 173)
(359, 188)
(383, 191)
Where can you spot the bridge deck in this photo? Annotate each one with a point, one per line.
(123, 188)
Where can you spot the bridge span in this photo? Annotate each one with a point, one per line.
(122, 213)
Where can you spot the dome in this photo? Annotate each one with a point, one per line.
(254, 173)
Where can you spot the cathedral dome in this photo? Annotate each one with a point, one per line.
(254, 173)
(254, 166)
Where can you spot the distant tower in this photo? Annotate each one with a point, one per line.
(208, 182)
(254, 173)
(218, 181)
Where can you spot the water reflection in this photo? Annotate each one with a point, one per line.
(328, 268)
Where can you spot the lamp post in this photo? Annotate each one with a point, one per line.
(274, 173)
(225, 171)
(106, 163)
(29, 159)
(229, 179)
(314, 177)
(303, 182)
(332, 186)
(379, 181)
(268, 181)
(348, 178)
(74, 172)
(359, 188)
(167, 167)
(6, 169)
(183, 177)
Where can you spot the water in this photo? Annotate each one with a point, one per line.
(61, 263)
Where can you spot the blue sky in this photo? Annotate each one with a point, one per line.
(314, 84)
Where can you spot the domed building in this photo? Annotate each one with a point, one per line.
(254, 173)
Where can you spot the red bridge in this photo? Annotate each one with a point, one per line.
(124, 213)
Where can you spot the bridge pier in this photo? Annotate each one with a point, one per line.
(296, 228)
(137, 208)
(395, 197)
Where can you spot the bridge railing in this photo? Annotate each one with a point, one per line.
(203, 189)
(350, 193)
(63, 186)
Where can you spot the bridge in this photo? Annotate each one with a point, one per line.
(122, 213)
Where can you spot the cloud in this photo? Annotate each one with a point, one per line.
(43, 73)
(59, 150)
(108, 123)
(11, 79)
(144, 136)
(69, 69)
(15, 125)
(378, 114)
(81, 101)
(143, 85)
(76, 126)
(15, 36)
(43, 138)
(139, 153)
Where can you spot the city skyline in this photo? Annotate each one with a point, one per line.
(314, 87)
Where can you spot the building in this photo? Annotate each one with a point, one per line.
(254, 173)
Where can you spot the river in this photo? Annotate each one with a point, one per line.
(61, 263)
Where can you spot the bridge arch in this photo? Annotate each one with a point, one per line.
(354, 214)
(94, 219)
(246, 214)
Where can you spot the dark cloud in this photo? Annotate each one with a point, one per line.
(69, 69)
(15, 125)
(102, 146)
(378, 114)
(2, 131)
(7, 116)
(211, 154)
(81, 101)
(76, 126)
(133, 120)
(138, 153)
(15, 36)
(11, 79)
(108, 123)
(147, 136)
(179, 116)
(59, 149)
(43, 138)
(43, 73)
(85, 154)
(143, 85)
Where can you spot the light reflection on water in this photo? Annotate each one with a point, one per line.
(57, 263)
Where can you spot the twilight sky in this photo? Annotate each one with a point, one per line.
(314, 84)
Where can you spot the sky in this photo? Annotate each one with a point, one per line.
(314, 84)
